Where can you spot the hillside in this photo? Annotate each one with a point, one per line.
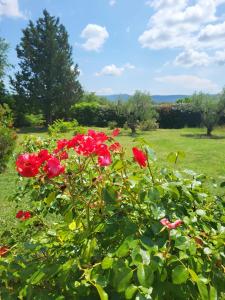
(156, 98)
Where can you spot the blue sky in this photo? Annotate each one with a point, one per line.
(159, 46)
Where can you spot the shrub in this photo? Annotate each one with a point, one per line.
(148, 125)
(34, 120)
(112, 125)
(61, 126)
(104, 227)
(178, 116)
(7, 144)
(7, 136)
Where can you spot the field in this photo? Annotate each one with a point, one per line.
(203, 155)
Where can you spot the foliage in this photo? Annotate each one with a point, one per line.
(94, 231)
(61, 126)
(96, 114)
(139, 108)
(7, 136)
(178, 115)
(211, 109)
(3, 57)
(34, 120)
(148, 125)
(112, 124)
(47, 80)
(92, 97)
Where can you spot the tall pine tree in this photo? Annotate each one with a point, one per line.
(47, 81)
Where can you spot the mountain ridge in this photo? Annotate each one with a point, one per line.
(156, 98)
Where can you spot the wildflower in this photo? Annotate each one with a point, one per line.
(23, 215)
(140, 157)
(115, 132)
(28, 164)
(53, 167)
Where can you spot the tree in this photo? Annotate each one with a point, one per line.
(210, 107)
(139, 108)
(47, 80)
(3, 65)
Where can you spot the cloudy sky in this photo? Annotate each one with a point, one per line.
(160, 46)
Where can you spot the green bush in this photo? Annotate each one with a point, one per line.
(103, 232)
(148, 125)
(112, 124)
(34, 120)
(61, 126)
(7, 136)
(7, 144)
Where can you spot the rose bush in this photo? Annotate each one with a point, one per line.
(100, 226)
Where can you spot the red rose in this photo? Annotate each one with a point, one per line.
(53, 167)
(140, 157)
(23, 215)
(43, 155)
(115, 132)
(116, 147)
(63, 155)
(104, 160)
(61, 144)
(28, 165)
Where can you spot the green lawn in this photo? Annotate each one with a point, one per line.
(203, 155)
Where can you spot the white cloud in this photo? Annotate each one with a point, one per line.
(213, 35)
(104, 91)
(113, 70)
(191, 58)
(95, 36)
(112, 2)
(129, 66)
(219, 2)
(176, 23)
(220, 57)
(189, 83)
(10, 8)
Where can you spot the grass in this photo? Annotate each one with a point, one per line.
(203, 155)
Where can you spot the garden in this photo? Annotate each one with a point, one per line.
(106, 200)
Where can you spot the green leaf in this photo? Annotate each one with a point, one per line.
(212, 293)
(72, 225)
(194, 276)
(122, 278)
(179, 274)
(123, 250)
(117, 165)
(129, 293)
(103, 295)
(109, 195)
(50, 198)
(174, 156)
(202, 290)
(145, 275)
(107, 263)
(37, 277)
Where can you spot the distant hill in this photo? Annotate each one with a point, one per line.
(156, 98)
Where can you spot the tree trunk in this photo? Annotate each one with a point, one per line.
(209, 131)
(133, 129)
